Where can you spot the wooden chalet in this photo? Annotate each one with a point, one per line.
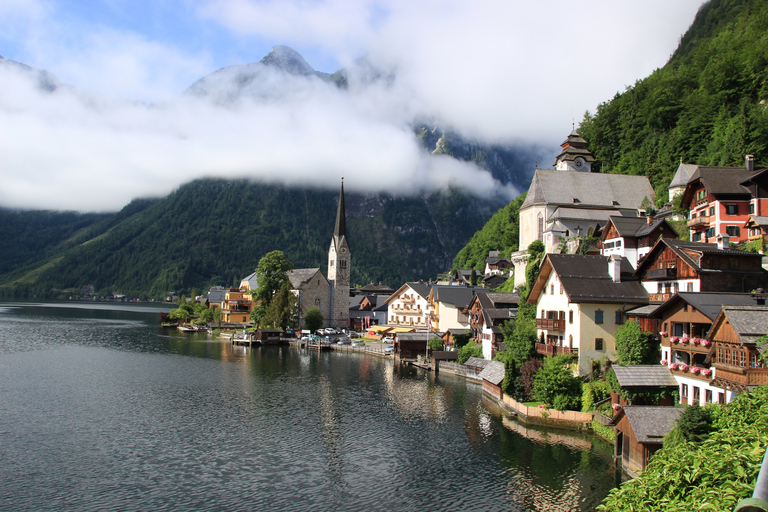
(411, 345)
(268, 335)
(677, 265)
(736, 351)
(487, 312)
(633, 237)
(757, 228)
(640, 432)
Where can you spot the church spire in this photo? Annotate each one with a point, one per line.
(340, 231)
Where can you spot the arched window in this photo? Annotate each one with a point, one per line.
(540, 232)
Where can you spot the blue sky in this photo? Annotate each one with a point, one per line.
(510, 72)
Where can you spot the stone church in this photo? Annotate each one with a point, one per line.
(331, 294)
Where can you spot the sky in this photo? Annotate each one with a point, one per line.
(120, 126)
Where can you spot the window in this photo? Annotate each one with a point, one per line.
(598, 317)
(689, 287)
(570, 317)
(696, 237)
(684, 391)
(552, 289)
(696, 394)
(751, 208)
(619, 317)
(721, 398)
(710, 232)
(708, 396)
(598, 343)
(711, 211)
(332, 262)
(540, 231)
(732, 230)
(732, 209)
(561, 288)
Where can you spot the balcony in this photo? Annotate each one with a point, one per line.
(661, 273)
(699, 222)
(659, 297)
(550, 324)
(692, 372)
(545, 349)
(742, 376)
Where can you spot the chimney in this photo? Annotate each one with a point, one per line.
(722, 241)
(649, 219)
(749, 162)
(614, 267)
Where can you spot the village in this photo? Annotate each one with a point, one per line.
(603, 259)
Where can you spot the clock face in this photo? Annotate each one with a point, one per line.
(579, 162)
(343, 250)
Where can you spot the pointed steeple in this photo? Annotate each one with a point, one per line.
(340, 231)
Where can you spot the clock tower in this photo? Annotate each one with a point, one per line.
(574, 156)
(339, 266)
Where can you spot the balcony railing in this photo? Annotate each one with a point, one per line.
(550, 324)
(659, 297)
(701, 221)
(661, 273)
(689, 372)
(546, 349)
(742, 376)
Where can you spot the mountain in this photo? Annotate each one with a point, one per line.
(706, 106)
(215, 231)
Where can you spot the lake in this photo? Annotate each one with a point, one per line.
(102, 409)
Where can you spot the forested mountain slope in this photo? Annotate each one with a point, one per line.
(215, 231)
(707, 105)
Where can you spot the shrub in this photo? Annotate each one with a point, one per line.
(471, 349)
(435, 344)
(555, 382)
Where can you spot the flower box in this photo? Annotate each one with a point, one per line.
(683, 340)
(663, 333)
(684, 367)
(674, 339)
(694, 370)
(664, 362)
(706, 372)
(674, 366)
(704, 343)
(695, 341)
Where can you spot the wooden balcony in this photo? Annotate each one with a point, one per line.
(742, 376)
(659, 297)
(546, 349)
(550, 324)
(692, 375)
(661, 273)
(699, 222)
(689, 346)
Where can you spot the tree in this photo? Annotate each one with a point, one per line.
(695, 423)
(281, 312)
(555, 384)
(508, 385)
(257, 315)
(313, 320)
(633, 346)
(271, 275)
(471, 349)
(435, 344)
(520, 338)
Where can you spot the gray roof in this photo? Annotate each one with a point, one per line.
(299, 276)
(216, 294)
(708, 303)
(585, 278)
(498, 298)
(748, 322)
(644, 376)
(650, 423)
(683, 248)
(252, 280)
(376, 288)
(683, 175)
(493, 372)
(417, 336)
(646, 310)
(584, 214)
(477, 362)
(723, 180)
(459, 296)
(760, 220)
(611, 191)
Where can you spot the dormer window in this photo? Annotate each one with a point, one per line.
(576, 200)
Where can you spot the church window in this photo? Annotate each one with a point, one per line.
(540, 232)
(332, 262)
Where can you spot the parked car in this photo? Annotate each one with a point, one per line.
(389, 349)
(358, 343)
(344, 341)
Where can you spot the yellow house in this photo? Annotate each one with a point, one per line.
(238, 303)
(580, 302)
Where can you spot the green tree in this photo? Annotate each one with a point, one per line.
(217, 316)
(695, 423)
(471, 349)
(257, 315)
(520, 338)
(281, 311)
(556, 385)
(633, 346)
(435, 344)
(313, 320)
(509, 384)
(271, 275)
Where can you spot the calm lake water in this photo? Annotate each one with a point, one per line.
(101, 409)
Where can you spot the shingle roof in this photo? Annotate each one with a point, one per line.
(416, 336)
(585, 278)
(644, 376)
(627, 226)
(650, 423)
(498, 298)
(748, 322)
(723, 180)
(252, 281)
(459, 296)
(708, 303)
(683, 175)
(691, 252)
(477, 362)
(760, 220)
(299, 276)
(590, 188)
(493, 373)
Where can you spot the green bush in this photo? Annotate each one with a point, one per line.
(471, 349)
(593, 392)
(555, 384)
(435, 344)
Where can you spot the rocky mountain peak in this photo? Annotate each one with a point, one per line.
(288, 60)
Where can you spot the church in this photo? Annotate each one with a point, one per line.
(330, 295)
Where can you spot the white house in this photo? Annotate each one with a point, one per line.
(408, 306)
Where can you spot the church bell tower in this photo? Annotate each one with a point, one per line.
(339, 266)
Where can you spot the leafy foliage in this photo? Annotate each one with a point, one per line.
(527, 379)
(271, 275)
(695, 423)
(555, 384)
(633, 346)
(471, 349)
(593, 392)
(713, 475)
(313, 319)
(435, 344)
(508, 385)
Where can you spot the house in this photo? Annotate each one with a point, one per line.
(268, 335)
(570, 202)
(496, 265)
(757, 228)
(646, 385)
(492, 376)
(410, 345)
(736, 349)
(640, 431)
(719, 202)
(448, 306)
(633, 237)
(408, 305)
(580, 301)
(677, 265)
(451, 335)
(215, 296)
(493, 281)
(681, 179)
(487, 312)
(237, 303)
(684, 323)
(367, 310)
